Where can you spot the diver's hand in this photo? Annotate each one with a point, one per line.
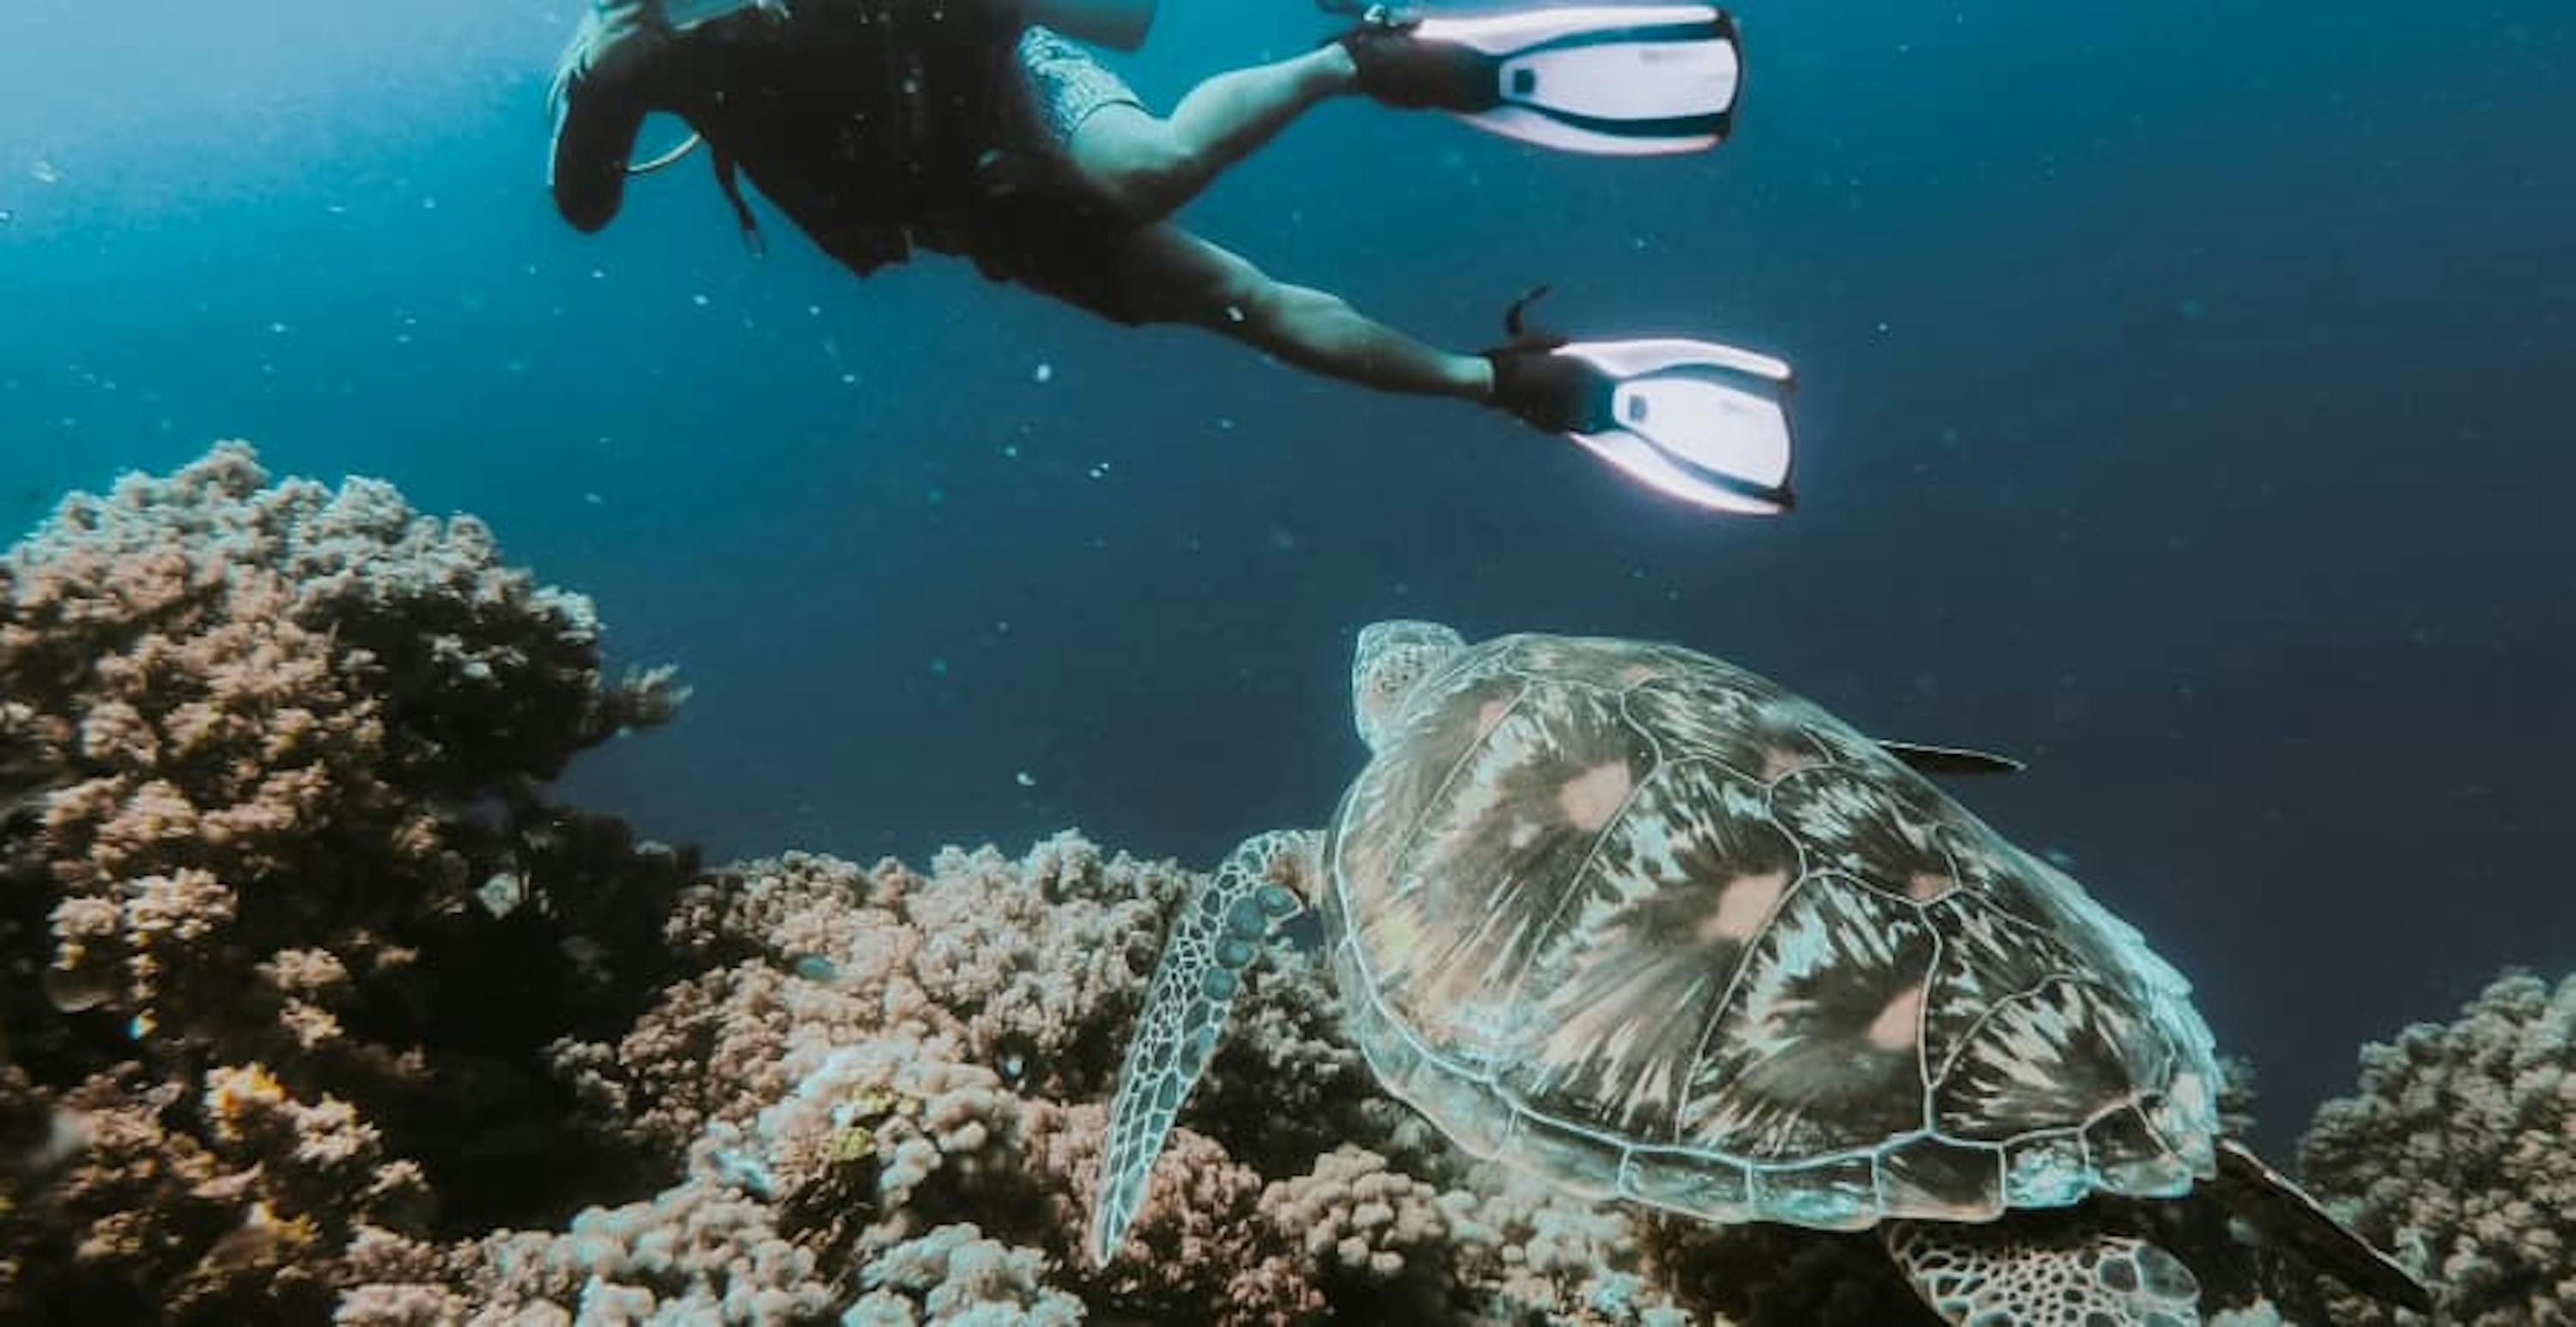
(606, 87)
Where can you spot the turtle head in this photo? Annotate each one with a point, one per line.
(1390, 659)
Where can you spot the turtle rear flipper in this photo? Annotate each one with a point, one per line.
(2284, 1214)
(1220, 928)
(2064, 1273)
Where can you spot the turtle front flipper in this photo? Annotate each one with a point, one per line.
(2063, 1273)
(1218, 931)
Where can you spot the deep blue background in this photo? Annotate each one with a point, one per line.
(2187, 407)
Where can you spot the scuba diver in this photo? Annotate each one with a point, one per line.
(976, 128)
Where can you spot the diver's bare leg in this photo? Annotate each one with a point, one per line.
(1173, 276)
(1152, 166)
(1223, 119)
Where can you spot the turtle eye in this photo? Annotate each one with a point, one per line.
(1396, 680)
(1382, 690)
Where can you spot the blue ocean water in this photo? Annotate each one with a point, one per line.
(2186, 409)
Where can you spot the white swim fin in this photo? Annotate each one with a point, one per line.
(1695, 420)
(1616, 80)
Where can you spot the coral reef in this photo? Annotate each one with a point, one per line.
(2459, 1152)
(313, 1006)
(286, 921)
(888, 1087)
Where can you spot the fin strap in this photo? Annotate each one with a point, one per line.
(1516, 324)
(728, 178)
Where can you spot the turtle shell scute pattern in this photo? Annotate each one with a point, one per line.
(1653, 926)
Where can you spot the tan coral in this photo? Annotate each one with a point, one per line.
(915, 1053)
(1351, 1208)
(245, 848)
(2459, 1151)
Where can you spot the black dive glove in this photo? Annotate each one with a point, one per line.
(610, 79)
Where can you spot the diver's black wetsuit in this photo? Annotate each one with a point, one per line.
(873, 124)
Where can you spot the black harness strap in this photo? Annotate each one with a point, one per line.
(729, 180)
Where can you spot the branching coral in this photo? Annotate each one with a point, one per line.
(952, 1275)
(244, 685)
(2459, 1152)
(120, 1210)
(899, 1063)
(697, 1253)
(24, 775)
(287, 921)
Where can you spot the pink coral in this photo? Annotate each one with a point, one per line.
(2459, 1152)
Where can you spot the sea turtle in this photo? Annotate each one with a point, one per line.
(1656, 929)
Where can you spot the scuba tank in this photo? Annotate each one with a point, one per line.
(852, 127)
(1120, 25)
